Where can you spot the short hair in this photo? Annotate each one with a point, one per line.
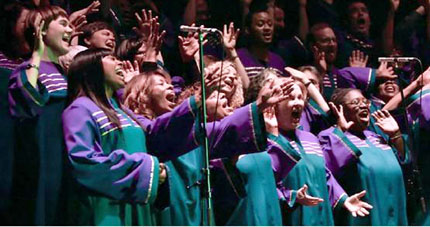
(48, 13)
(89, 29)
(311, 39)
(339, 94)
(255, 7)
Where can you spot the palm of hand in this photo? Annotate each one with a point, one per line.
(388, 125)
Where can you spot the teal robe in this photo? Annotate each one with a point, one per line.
(370, 164)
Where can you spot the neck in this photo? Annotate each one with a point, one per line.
(109, 92)
(50, 55)
(260, 52)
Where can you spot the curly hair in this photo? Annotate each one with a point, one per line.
(237, 99)
(137, 93)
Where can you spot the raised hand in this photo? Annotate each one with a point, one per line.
(270, 121)
(386, 122)
(357, 207)
(130, 70)
(153, 43)
(39, 27)
(274, 92)
(358, 59)
(79, 16)
(230, 36)
(305, 199)
(189, 45)
(385, 72)
(342, 123)
(319, 59)
(296, 74)
(145, 24)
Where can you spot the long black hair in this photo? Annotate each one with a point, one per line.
(86, 78)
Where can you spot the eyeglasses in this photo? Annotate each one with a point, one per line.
(358, 101)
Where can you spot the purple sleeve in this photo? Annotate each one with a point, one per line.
(336, 193)
(357, 77)
(240, 133)
(113, 173)
(419, 108)
(338, 150)
(286, 195)
(172, 134)
(25, 101)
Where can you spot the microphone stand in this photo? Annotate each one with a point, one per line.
(415, 182)
(206, 184)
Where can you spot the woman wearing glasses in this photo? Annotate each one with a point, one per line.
(362, 160)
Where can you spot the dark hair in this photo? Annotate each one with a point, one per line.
(254, 8)
(339, 94)
(310, 39)
(86, 78)
(128, 49)
(10, 15)
(89, 29)
(48, 13)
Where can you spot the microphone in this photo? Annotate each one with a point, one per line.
(185, 28)
(397, 59)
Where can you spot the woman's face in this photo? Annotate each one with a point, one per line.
(387, 90)
(161, 94)
(289, 111)
(356, 109)
(104, 38)
(217, 111)
(113, 72)
(58, 35)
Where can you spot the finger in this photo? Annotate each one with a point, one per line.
(149, 14)
(360, 213)
(144, 15)
(41, 27)
(366, 58)
(386, 113)
(354, 214)
(138, 18)
(349, 124)
(334, 109)
(136, 65)
(364, 211)
(361, 194)
(305, 188)
(224, 30)
(366, 205)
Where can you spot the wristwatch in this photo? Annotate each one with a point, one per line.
(29, 66)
